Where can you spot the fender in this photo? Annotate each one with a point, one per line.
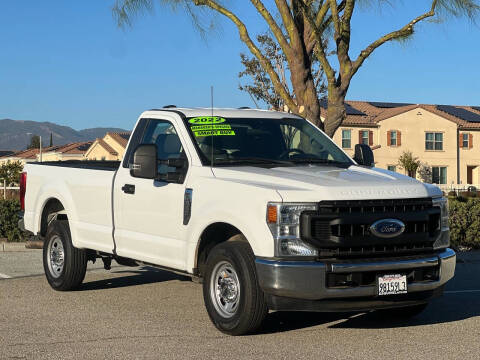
(257, 240)
(59, 191)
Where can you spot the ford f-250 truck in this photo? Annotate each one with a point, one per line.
(261, 207)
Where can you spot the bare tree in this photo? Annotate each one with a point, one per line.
(302, 30)
(261, 87)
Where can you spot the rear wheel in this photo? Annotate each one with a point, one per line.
(233, 298)
(64, 265)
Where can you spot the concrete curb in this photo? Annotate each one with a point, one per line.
(13, 246)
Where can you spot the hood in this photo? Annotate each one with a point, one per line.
(312, 183)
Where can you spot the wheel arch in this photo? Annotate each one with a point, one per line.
(214, 234)
(52, 206)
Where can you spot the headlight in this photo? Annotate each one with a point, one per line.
(443, 240)
(284, 223)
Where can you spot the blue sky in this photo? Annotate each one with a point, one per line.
(67, 62)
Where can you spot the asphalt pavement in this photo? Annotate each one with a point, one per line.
(148, 313)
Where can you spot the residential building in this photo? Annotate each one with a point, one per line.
(24, 156)
(74, 151)
(111, 147)
(445, 138)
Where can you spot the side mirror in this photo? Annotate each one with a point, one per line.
(175, 163)
(364, 155)
(144, 162)
(177, 175)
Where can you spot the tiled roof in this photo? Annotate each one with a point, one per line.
(107, 147)
(373, 114)
(74, 148)
(120, 137)
(24, 154)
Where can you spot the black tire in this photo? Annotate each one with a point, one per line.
(403, 313)
(251, 308)
(70, 275)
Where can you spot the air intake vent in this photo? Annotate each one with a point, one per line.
(342, 228)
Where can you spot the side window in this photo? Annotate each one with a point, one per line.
(163, 134)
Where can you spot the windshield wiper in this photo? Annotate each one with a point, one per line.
(252, 160)
(319, 161)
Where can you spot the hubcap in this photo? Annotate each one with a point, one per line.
(225, 289)
(56, 256)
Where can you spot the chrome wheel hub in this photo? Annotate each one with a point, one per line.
(56, 256)
(225, 289)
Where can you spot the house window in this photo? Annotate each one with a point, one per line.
(439, 174)
(346, 139)
(393, 138)
(364, 137)
(465, 141)
(392, 168)
(433, 141)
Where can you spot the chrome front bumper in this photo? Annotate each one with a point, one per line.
(307, 280)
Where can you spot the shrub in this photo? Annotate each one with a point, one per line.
(468, 194)
(9, 210)
(452, 194)
(465, 222)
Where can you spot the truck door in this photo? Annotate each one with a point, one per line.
(149, 213)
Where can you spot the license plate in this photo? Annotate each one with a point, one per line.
(392, 284)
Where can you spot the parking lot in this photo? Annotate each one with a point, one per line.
(148, 313)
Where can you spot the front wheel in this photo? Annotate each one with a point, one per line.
(64, 265)
(233, 298)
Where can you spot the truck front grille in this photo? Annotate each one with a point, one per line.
(342, 228)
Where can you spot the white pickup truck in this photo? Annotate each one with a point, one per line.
(259, 206)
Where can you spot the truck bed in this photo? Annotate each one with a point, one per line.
(84, 189)
(107, 165)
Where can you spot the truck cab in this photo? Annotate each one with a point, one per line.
(261, 207)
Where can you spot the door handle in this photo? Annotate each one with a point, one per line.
(128, 189)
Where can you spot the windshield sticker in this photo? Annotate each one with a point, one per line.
(201, 120)
(214, 133)
(211, 127)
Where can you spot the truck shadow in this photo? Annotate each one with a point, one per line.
(136, 276)
(282, 321)
(449, 308)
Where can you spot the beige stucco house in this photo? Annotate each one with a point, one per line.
(24, 156)
(73, 151)
(111, 147)
(445, 138)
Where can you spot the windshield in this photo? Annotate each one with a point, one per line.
(240, 141)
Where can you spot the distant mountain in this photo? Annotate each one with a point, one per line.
(16, 134)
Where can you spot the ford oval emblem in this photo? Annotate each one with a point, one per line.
(387, 228)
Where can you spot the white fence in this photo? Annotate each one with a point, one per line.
(458, 188)
(4, 189)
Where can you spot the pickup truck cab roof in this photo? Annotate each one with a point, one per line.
(224, 112)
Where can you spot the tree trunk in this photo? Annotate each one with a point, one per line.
(336, 112)
(306, 95)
